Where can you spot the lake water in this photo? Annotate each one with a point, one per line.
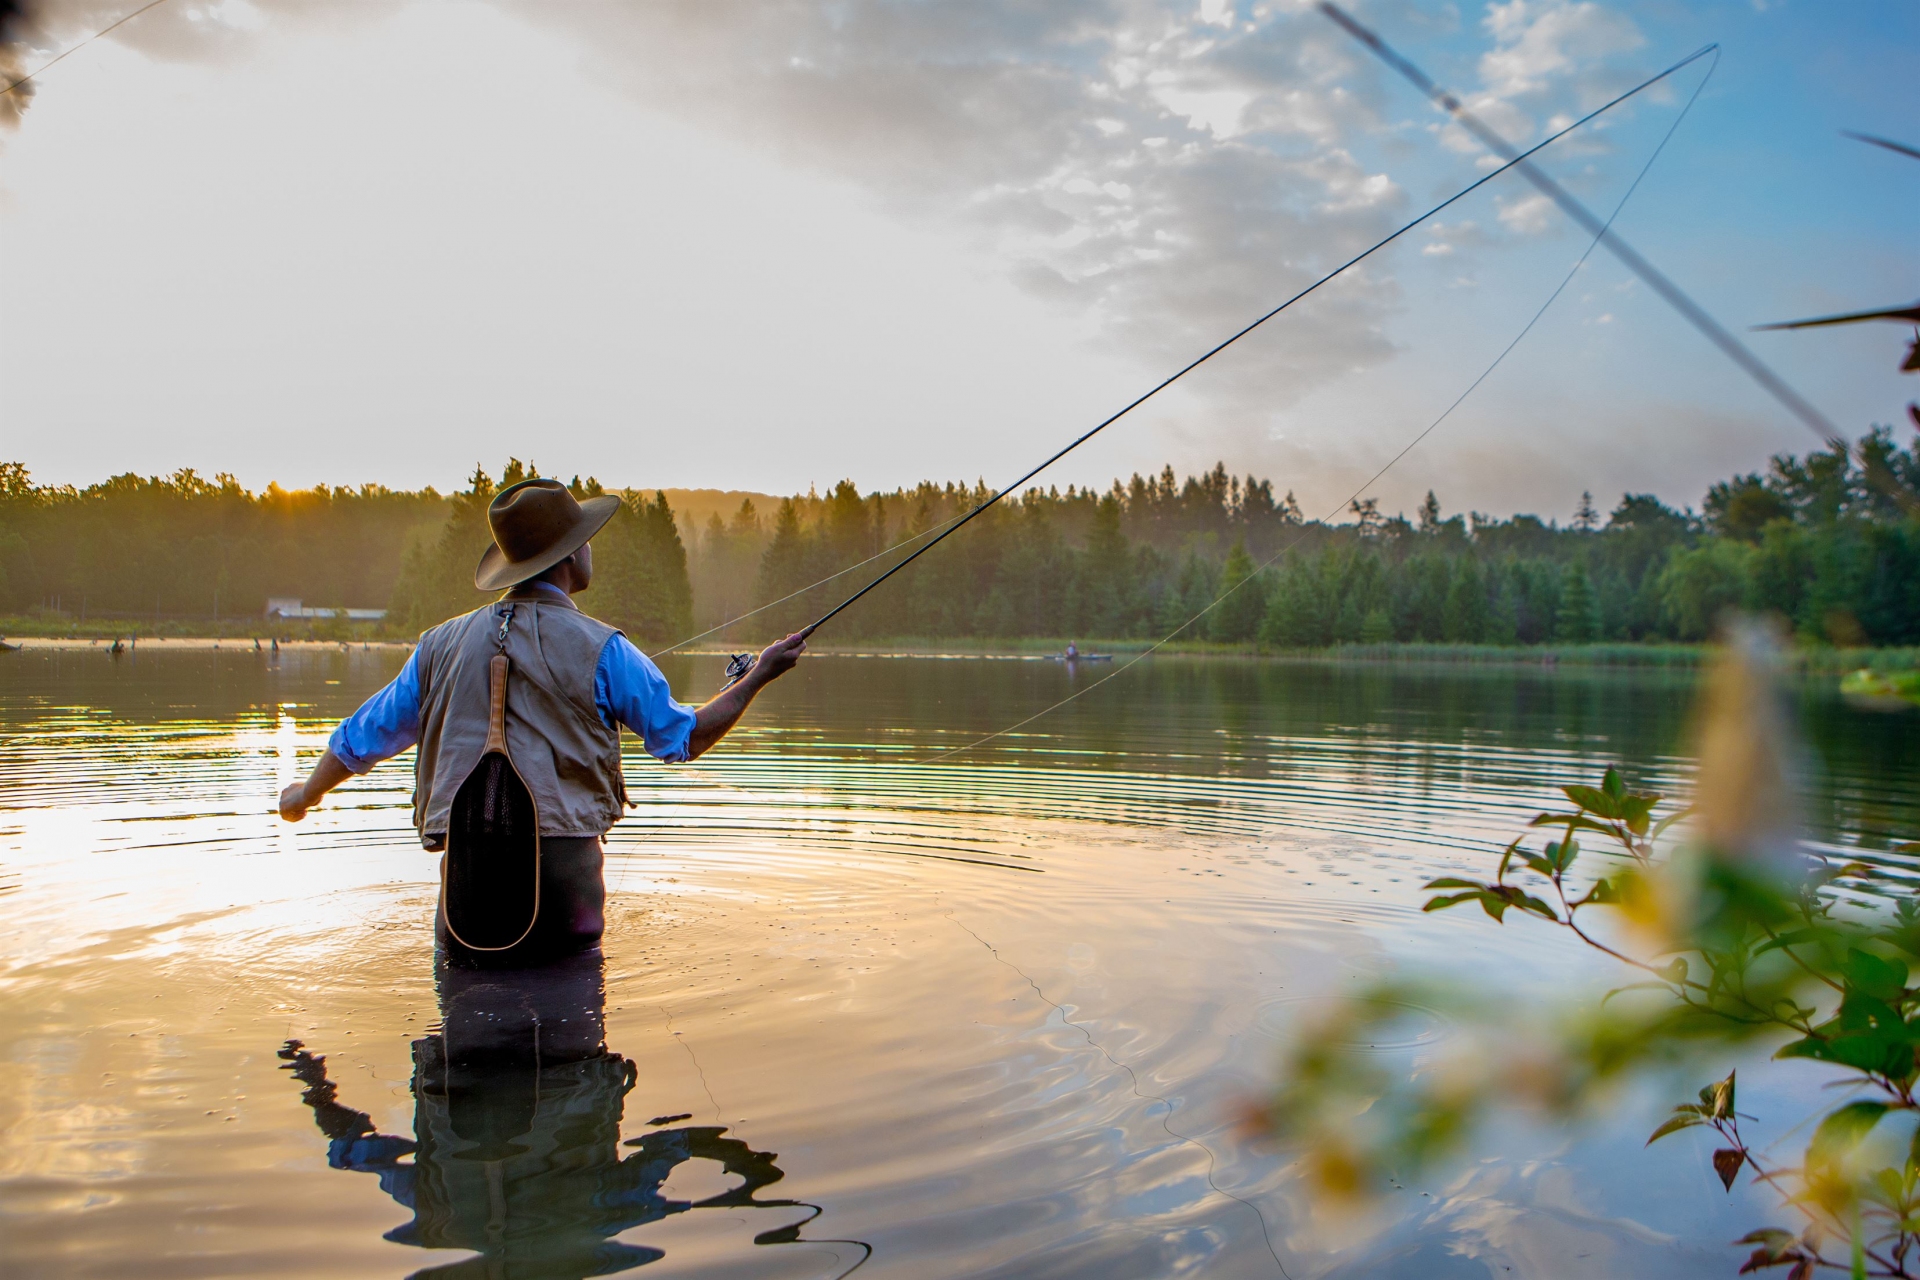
(999, 1015)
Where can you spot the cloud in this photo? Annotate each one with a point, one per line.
(1528, 215)
(1446, 238)
(1539, 41)
(1170, 169)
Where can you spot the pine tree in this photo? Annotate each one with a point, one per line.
(640, 581)
(436, 574)
(783, 568)
(1105, 583)
(1585, 518)
(1503, 617)
(1429, 514)
(1579, 618)
(1236, 619)
(1464, 617)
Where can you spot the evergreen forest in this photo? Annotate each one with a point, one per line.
(1808, 540)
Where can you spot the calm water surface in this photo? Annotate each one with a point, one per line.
(998, 1016)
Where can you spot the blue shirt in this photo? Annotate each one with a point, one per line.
(627, 688)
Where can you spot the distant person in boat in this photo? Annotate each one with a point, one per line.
(1072, 652)
(575, 681)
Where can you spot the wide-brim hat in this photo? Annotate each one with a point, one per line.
(536, 524)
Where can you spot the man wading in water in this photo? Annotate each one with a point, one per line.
(574, 682)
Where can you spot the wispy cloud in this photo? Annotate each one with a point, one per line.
(1167, 167)
(1172, 169)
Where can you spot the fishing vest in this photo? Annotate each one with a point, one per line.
(568, 756)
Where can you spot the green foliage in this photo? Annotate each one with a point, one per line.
(1699, 585)
(1885, 688)
(436, 574)
(1738, 953)
(1237, 619)
(1578, 618)
(639, 565)
(1811, 541)
(152, 549)
(640, 573)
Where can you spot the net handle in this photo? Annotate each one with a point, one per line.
(497, 706)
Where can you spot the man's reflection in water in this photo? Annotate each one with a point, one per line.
(516, 1121)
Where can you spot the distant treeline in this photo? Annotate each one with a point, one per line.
(135, 550)
(1809, 540)
(186, 546)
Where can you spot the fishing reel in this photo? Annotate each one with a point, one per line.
(738, 664)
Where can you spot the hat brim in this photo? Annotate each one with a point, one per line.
(496, 573)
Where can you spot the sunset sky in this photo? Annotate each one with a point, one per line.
(771, 245)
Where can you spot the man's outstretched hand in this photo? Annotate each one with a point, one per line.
(293, 802)
(712, 721)
(779, 657)
(327, 774)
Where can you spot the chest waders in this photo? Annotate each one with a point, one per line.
(490, 876)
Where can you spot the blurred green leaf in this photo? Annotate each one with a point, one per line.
(1777, 1249)
(1770, 1238)
(1527, 902)
(1884, 980)
(1660, 827)
(1717, 1097)
(1579, 821)
(1561, 853)
(1844, 1130)
(1594, 800)
(1611, 784)
(1887, 1187)
(1506, 858)
(1685, 1116)
(1866, 1034)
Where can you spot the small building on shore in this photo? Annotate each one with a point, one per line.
(289, 608)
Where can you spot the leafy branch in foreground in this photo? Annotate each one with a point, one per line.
(1738, 937)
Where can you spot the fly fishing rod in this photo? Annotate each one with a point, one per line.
(1514, 161)
(61, 57)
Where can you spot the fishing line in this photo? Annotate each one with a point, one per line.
(789, 1234)
(1673, 294)
(838, 573)
(152, 4)
(1408, 448)
(1166, 1116)
(1549, 140)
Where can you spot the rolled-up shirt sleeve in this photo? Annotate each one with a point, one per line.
(385, 725)
(629, 690)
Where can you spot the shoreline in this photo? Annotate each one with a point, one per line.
(178, 644)
(1615, 655)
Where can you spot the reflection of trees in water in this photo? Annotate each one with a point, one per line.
(516, 1151)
